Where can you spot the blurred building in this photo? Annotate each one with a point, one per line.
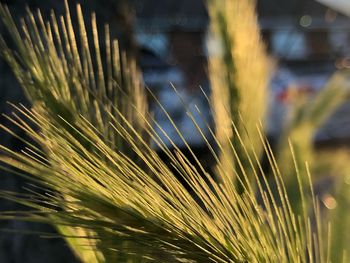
(300, 32)
(172, 56)
(311, 41)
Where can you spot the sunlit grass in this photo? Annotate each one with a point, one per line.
(106, 189)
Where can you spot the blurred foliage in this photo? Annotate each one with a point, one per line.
(239, 74)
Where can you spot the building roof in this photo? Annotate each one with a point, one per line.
(166, 14)
(191, 15)
(278, 8)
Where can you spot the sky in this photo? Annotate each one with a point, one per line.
(342, 6)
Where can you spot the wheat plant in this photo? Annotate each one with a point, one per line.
(106, 190)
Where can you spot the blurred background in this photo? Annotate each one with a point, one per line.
(307, 41)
